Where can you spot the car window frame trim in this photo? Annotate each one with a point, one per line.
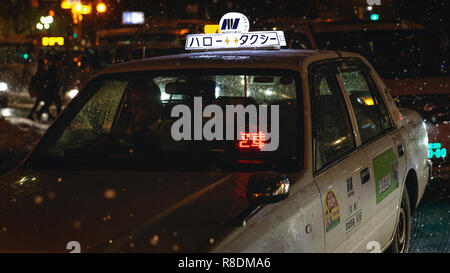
(312, 69)
(333, 62)
(365, 68)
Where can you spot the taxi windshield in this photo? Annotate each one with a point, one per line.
(172, 120)
(393, 53)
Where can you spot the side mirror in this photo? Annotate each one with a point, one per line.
(267, 188)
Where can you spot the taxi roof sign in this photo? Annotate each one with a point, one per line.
(254, 39)
(233, 33)
(234, 22)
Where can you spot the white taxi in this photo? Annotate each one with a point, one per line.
(245, 150)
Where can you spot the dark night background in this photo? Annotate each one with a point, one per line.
(20, 16)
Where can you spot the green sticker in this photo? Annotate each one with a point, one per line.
(385, 168)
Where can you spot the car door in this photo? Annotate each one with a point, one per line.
(382, 147)
(338, 164)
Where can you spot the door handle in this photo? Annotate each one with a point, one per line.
(365, 175)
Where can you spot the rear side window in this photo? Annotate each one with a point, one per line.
(368, 105)
(333, 132)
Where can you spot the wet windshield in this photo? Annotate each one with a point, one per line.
(393, 53)
(178, 120)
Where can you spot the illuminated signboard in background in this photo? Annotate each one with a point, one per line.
(52, 41)
(374, 2)
(133, 18)
(435, 150)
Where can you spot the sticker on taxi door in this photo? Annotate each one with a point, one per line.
(385, 169)
(332, 217)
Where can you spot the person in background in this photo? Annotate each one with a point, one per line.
(52, 90)
(37, 87)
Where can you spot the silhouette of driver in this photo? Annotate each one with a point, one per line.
(144, 107)
(140, 127)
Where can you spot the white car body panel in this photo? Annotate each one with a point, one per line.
(275, 228)
(379, 221)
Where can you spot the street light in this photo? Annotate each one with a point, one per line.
(77, 8)
(45, 22)
(101, 8)
(86, 9)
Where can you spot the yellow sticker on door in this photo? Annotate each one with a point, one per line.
(332, 217)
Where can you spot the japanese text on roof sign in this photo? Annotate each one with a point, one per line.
(249, 39)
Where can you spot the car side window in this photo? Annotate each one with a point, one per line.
(333, 132)
(95, 118)
(370, 111)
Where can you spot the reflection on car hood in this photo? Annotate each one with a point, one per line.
(116, 211)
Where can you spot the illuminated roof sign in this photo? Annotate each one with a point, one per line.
(235, 34)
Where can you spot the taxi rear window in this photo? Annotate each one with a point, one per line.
(194, 119)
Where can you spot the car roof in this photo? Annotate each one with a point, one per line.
(276, 59)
